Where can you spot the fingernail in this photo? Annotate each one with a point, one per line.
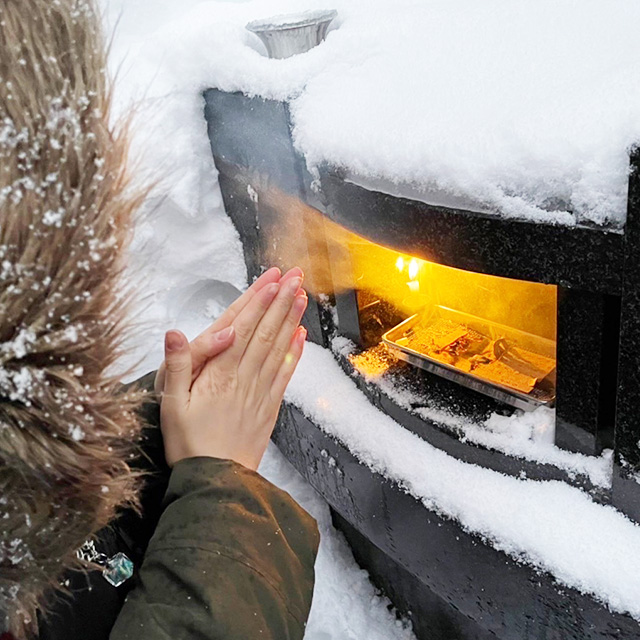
(267, 295)
(296, 271)
(302, 335)
(224, 334)
(300, 303)
(293, 285)
(173, 341)
(273, 271)
(271, 290)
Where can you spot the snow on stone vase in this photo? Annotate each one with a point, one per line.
(288, 35)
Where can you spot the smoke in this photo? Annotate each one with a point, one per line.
(336, 260)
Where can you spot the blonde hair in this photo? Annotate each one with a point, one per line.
(66, 432)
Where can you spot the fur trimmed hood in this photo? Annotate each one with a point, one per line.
(66, 432)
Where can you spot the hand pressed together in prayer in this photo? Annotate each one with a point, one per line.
(220, 394)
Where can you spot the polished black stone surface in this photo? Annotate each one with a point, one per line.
(248, 219)
(628, 416)
(577, 257)
(625, 491)
(587, 363)
(254, 133)
(510, 600)
(432, 618)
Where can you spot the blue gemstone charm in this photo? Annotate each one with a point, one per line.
(118, 569)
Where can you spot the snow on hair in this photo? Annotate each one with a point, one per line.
(66, 202)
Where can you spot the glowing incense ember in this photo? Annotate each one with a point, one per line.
(528, 363)
(503, 374)
(445, 332)
(470, 351)
(373, 362)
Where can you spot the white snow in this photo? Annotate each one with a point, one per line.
(526, 435)
(522, 107)
(550, 525)
(523, 435)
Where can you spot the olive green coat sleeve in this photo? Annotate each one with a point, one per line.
(231, 559)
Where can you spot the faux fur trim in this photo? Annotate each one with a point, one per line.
(66, 209)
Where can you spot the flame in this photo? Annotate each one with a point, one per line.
(414, 268)
(400, 263)
(414, 286)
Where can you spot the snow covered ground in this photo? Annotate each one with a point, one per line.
(512, 139)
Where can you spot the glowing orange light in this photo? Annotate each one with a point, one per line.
(400, 263)
(414, 267)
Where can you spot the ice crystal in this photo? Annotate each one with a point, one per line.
(76, 433)
(14, 550)
(19, 346)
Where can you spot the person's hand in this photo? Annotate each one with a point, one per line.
(219, 336)
(230, 409)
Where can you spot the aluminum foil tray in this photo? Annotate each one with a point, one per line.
(526, 401)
